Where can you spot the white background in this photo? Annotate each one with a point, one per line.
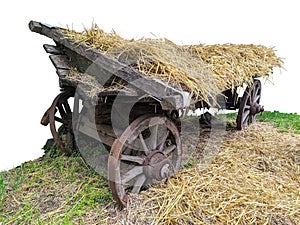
(29, 82)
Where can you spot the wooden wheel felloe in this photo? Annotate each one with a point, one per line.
(148, 150)
(249, 105)
(60, 112)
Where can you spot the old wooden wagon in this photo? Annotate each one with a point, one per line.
(150, 144)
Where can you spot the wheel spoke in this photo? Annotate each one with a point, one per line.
(169, 149)
(130, 158)
(257, 98)
(245, 116)
(248, 100)
(60, 120)
(164, 138)
(129, 175)
(62, 112)
(67, 108)
(251, 97)
(257, 89)
(145, 148)
(253, 94)
(138, 184)
(153, 137)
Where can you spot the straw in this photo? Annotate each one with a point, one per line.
(251, 181)
(203, 70)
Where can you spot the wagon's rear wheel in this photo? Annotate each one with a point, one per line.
(60, 115)
(249, 105)
(148, 150)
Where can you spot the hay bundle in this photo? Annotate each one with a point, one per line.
(202, 70)
(251, 181)
(237, 64)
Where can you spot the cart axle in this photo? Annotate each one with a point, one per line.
(158, 166)
(256, 108)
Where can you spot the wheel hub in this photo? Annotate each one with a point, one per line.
(158, 166)
(256, 108)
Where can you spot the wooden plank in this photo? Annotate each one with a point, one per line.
(60, 61)
(169, 103)
(62, 73)
(103, 133)
(52, 49)
(129, 93)
(105, 66)
(103, 128)
(96, 135)
(63, 83)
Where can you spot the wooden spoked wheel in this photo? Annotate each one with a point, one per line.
(148, 150)
(60, 115)
(249, 105)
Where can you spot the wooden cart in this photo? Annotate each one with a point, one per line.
(150, 144)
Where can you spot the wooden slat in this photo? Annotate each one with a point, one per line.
(170, 102)
(130, 158)
(52, 49)
(62, 72)
(60, 61)
(101, 132)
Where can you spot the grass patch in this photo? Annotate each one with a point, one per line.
(58, 190)
(285, 122)
(2, 189)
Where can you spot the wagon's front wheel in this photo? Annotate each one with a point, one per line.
(249, 105)
(147, 151)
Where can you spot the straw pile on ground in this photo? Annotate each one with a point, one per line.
(251, 181)
(203, 70)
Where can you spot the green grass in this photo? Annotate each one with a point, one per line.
(2, 190)
(285, 122)
(58, 190)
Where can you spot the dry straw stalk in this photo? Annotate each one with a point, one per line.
(251, 181)
(203, 70)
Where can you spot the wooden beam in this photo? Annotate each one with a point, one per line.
(60, 61)
(52, 49)
(100, 132)
(62, 73)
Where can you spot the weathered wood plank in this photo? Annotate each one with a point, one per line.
(102, 133)
(169, 103)
(55, 50)
(60, 61)
(62, 73)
